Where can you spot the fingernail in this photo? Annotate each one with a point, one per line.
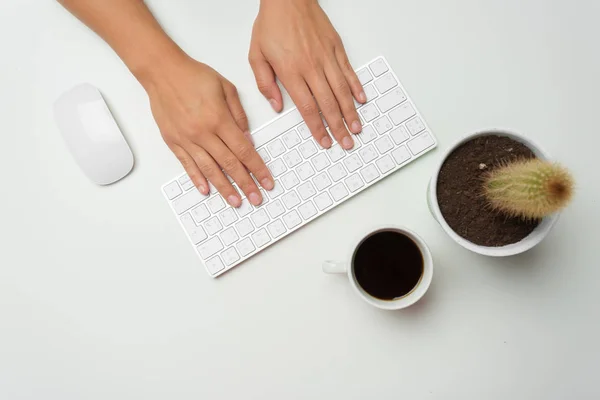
(234, 201)
(202, 189)
(348, 143)
(362, 97)
(267, 183)
(356, 128)
(249, 137)
(254, 199)
(274, 104)
(326, 142)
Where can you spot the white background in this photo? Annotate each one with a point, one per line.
(102, 297)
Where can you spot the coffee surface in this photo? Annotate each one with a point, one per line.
(388, 265)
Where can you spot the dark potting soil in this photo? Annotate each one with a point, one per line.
(460, 196)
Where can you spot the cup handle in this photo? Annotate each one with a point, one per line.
(334, 267)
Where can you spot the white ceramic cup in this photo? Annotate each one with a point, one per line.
(347, 267)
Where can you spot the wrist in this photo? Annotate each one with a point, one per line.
(149, 64)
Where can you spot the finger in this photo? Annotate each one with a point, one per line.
(265, 79)
(233, 167)
(331, 111)
(213, 173)
(191, 168)
(248, 156)
(309, 110)
(235, 106)
(342, 93)
(351, 77)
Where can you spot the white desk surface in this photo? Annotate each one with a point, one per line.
(101, 296)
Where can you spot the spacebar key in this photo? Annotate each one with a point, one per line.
(277, 127)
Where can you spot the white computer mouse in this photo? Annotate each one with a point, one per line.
(92, 134)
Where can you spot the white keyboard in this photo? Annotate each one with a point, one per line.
(309, 180)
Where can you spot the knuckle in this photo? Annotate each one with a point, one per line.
(208, 168)
(341, 86)
(309, 109)
(245, 154)
(328, 104)
(229, 164)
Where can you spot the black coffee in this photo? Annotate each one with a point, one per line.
(388, 265)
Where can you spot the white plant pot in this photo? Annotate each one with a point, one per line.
(535, 237)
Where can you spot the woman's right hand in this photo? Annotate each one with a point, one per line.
(202, 121)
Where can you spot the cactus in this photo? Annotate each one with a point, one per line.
(530, 189)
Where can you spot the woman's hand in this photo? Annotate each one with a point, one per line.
(295, 41)
(202, 121)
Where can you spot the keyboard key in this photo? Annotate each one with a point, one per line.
(245, 209)
(187, 201)
(322, 181)
(352, 163)
(290, 199)
(384, 144)
(399, 135)
(290, 180)
(415, 126)
(385, 83)
(185, 182)
(172, 190)
(323, 201)
(370, 92)
(230, 256)
(307, 210)
(402, 113)
(292, 158)
(210, 248)
(335, 153)
(291, 139)
(276, 191)
(364, 76)
(382, 125)
(275, 209)
(391, 100)
(305, 171)
(378, 67)
(367, 135)
(264, 154)
(338, 191)
(214, 265)
(244, 227)
(292, 219)
(320, 162)
(354, 182)
(228, 216)
(385, 164)
(421, 143)
(229, 236)
(276, 229)
(216, 204)
(369, 173)
(304, 131)
(368, 154)
(282, 124)
(337, 172)
(401, 155)
(200, 213)
(308, 149)
(261, 238)
(213, 226)
(277, 168)
(260, 218)
(245, 247)
(276, 148)
(196, 233)
(306, 190)
(369, 112)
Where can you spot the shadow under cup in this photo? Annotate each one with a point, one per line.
(389, 266)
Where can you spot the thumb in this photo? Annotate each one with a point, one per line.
(265, 80)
